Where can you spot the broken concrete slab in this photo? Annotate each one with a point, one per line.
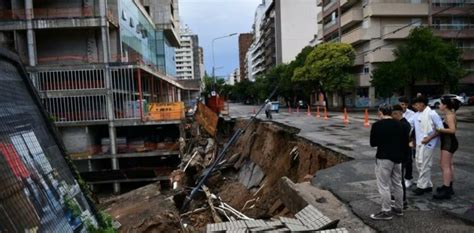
(251, 175)
(297, 196)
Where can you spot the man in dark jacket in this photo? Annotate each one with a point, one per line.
(398, 115)
(387, 136)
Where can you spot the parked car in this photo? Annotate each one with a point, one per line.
(436, 101)
(470, 100)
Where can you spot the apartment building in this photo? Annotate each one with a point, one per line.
(189, 62)
(375, 27)
(104, 70)
(245, 41)
(281, 30)
(184, 56)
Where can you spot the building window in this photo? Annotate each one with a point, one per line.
(366, 70)
(132, 24)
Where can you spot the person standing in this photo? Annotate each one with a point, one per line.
(397, 114)
(449, 145)
(408, 164)
(387, 136)
(268, 109)
(425, 122)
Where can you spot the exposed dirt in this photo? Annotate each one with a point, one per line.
(279, 152)
(144, 210)
(274, 148)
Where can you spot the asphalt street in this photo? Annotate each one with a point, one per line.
(354, 182)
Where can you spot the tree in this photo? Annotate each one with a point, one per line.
(329, 67)
(209, 85)
(423, 57)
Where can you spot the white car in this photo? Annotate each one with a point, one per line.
(435, 102)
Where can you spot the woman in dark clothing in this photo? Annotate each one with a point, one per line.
(449, 145)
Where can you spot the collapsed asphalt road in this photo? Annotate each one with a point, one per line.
(353, 182)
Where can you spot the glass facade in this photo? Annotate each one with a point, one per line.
(141, 41)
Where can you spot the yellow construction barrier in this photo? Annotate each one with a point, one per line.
(165, 111)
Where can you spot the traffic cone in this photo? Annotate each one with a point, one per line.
(366, 122)
(254, 111)
(309, 111)
(318, 115)
(325, 114)
(346, 117)
(289, 109)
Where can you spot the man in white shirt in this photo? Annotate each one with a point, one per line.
(408, 164)
(425, 122)
(404, 103)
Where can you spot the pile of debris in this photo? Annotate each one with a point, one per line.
(235, 184)
(308, 219)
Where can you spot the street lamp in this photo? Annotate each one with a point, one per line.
(213, 60)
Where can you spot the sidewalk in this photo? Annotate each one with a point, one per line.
(354, 182)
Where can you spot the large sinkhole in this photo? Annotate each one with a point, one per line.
(265, 153)
(247, 180)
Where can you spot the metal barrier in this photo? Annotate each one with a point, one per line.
(38, 191)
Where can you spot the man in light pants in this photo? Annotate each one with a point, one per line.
(425, 122)
(388, 136)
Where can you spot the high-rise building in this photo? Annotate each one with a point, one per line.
(375, 27)
(233, 77)
(281, 30)
(245, 41)
(188, 58)
(97, 65)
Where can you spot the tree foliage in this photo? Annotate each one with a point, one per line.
(328, 66)
(423, 57)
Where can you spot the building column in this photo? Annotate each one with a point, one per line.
(30, 34)
(108, 83)
(372, 97)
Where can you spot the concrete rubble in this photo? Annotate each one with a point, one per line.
(256, 187)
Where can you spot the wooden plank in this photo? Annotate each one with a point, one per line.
(215, 217)
(207, 119)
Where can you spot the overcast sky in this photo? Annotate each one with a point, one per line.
(214, 18)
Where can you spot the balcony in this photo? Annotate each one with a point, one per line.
(359, 60)
(397, 31)
(329, 8)
(388, 8)
(351, 17)
(355, 36)
(468, 54)
(362, 80)
(450, 11)
(380, 55)
(320, 17)
(454, 30)
(330, 27)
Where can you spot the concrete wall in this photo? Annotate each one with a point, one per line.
(68, 46)
(298, 26)
(77, 139)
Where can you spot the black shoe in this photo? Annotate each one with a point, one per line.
(397, 211)
(420, 191)
(444, 193)
(405, 205)
(450, 189)
(382, 215)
